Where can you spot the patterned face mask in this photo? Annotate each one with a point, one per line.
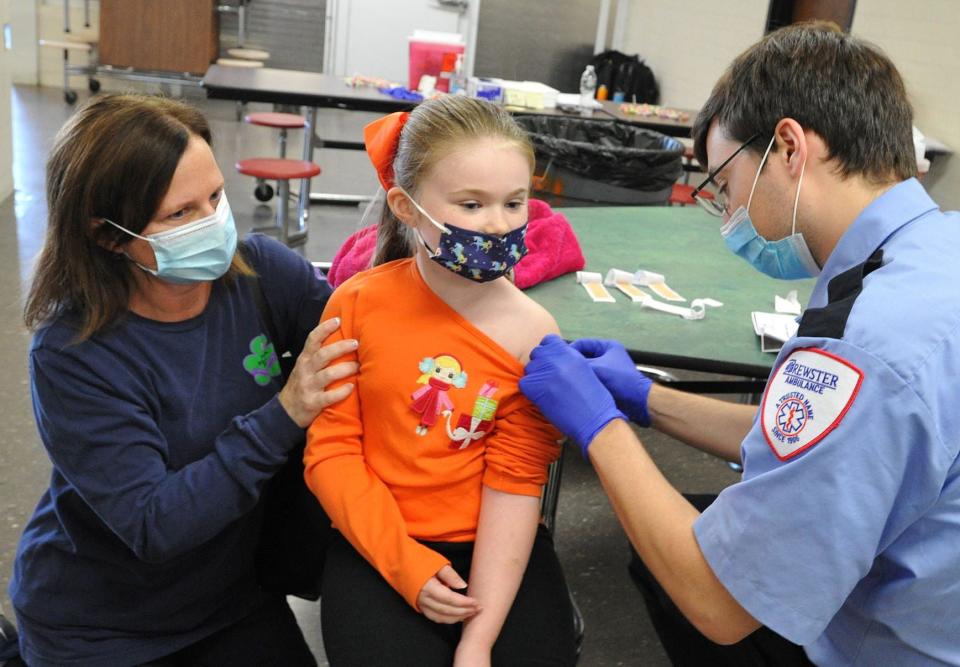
(478, 256)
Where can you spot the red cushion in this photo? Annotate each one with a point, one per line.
(277, 169)
(274, 119)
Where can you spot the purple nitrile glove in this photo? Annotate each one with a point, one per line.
(616, 370)
(559, 381)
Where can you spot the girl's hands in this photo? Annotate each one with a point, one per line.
(441, 604)
(304, 395)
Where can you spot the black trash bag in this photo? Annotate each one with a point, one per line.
(612, 153)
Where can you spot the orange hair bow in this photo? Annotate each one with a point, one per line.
(381, 138)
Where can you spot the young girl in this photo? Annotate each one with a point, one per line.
(432, 470)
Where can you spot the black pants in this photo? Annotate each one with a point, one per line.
(685, 645)
(366, 622)
(269, 637)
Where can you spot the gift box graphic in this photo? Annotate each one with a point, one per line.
(479, 422)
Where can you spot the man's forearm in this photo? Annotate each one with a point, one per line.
(713, 426)
(659, 523)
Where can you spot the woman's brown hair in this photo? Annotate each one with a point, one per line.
(113, 159)
(430, 132)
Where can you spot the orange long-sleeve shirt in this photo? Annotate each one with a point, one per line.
(436, 414)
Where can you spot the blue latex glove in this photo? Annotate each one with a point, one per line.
(629, 387)
(559, 381)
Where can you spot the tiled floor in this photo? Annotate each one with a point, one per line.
(591, 545)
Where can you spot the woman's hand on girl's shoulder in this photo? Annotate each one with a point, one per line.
(305, 394)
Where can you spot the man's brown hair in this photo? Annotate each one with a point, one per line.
(843, 88)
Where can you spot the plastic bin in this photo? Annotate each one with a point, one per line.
(603, 161)
(427, 50)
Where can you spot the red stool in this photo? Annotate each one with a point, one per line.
(283, 122)
(282, 171)
(682, 195)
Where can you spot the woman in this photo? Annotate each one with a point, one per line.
(158, 398)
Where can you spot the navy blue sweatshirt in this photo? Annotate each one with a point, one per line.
(162, 436)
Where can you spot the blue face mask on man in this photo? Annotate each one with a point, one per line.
(786, 259)
(197, 251)
(479, 256)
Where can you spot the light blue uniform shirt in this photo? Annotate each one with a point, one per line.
(844, 535)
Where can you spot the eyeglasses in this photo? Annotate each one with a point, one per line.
(717, 204)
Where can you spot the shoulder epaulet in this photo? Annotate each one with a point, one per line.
(830, 321)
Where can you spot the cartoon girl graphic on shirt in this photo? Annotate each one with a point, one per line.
(439, 374)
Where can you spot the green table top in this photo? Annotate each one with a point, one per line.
(683, 244)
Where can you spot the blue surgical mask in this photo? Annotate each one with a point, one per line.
(786, 259)
(197, 251)
(478, 256)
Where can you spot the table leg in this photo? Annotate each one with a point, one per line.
(311, 143)
(303, 197)
(330, 198)
(333, 198)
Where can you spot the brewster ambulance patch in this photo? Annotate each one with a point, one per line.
(806, 399)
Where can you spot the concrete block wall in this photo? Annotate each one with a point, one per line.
(689, 44)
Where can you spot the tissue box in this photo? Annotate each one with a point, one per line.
(529, 94)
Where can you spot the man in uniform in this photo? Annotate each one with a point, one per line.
(843, 536)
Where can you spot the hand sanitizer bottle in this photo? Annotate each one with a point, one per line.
(588, 86)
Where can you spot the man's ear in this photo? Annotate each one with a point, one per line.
(401, 206)
(792, 146)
